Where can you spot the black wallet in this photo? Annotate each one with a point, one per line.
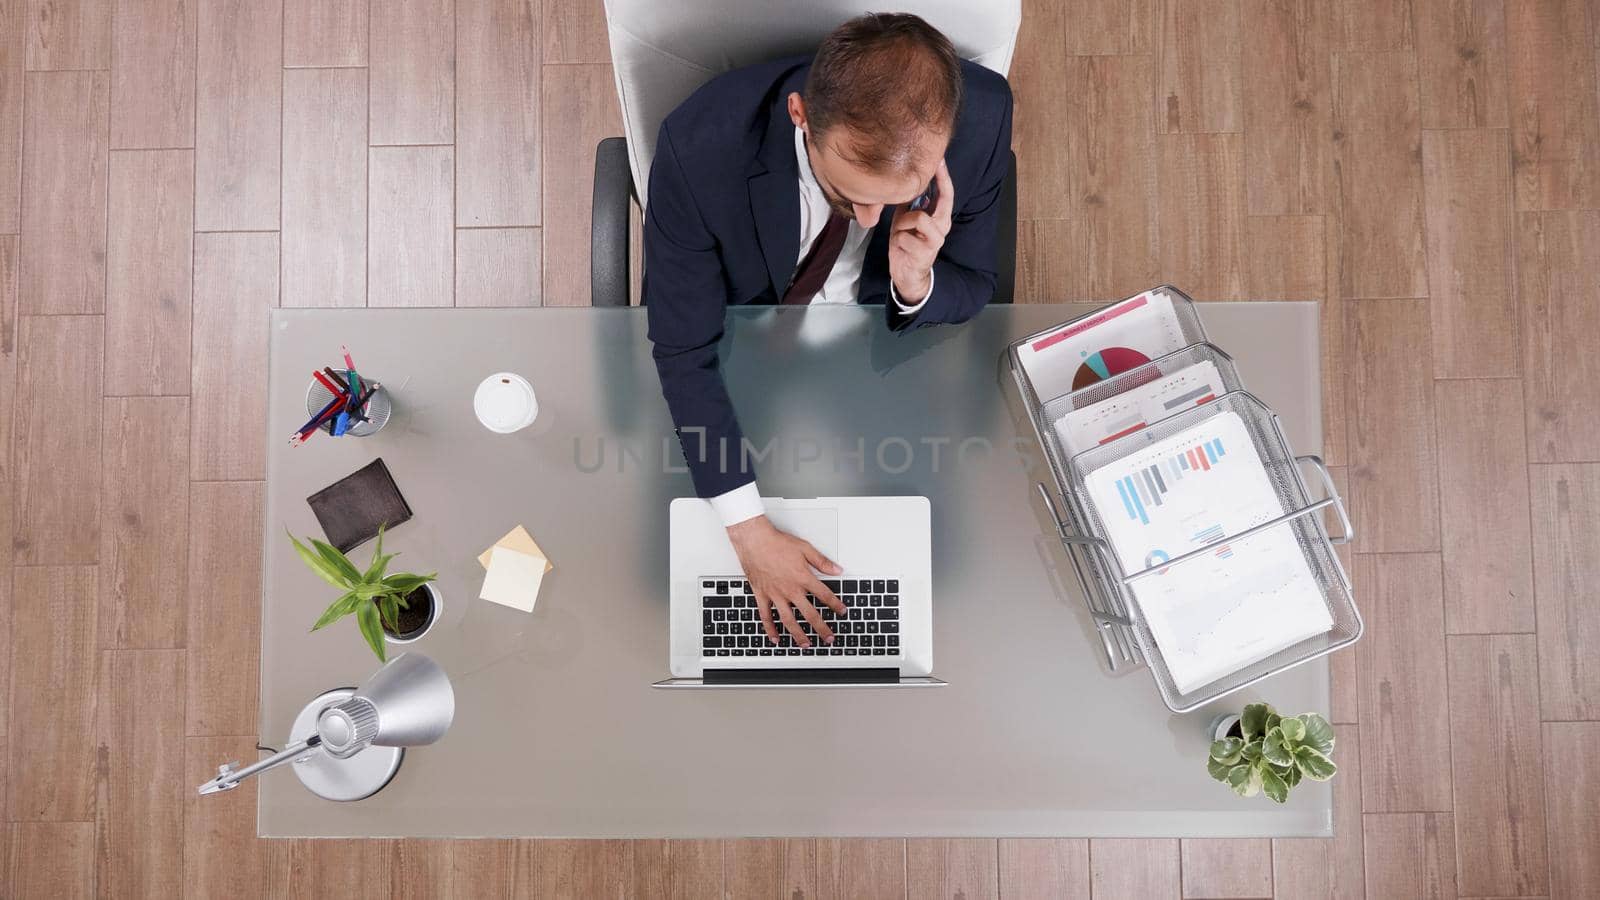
(352, 509)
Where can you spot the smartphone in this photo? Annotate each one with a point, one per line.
(927, 200)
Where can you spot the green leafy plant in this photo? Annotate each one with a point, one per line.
(375, 598)
(1274, 754)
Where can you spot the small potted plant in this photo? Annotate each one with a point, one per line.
(398, 607)
(1260, 751)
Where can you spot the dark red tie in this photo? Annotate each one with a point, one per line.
(813, 271)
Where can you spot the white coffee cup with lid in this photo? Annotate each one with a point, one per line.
(505, 403)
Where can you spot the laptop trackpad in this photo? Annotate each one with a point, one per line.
(819, 526)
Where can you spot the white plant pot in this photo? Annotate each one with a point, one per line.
(433, 618)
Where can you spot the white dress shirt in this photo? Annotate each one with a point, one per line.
(842, 286)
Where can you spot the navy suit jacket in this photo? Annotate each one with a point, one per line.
(722, 226)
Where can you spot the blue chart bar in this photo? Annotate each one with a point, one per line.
(1145, 488)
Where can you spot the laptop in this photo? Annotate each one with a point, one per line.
(884, 638)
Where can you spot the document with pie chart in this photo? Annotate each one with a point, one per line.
(1110, 342)
(1241, 603)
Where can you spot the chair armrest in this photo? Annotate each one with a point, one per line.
(608, 231)
(1005, 241)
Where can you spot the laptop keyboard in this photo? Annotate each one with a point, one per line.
(870, 625)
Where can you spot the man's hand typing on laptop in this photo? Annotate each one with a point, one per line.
(782, 571)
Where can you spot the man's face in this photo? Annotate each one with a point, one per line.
(853, 190)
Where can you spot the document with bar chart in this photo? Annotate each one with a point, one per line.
(1247, 600)
(1139, 407)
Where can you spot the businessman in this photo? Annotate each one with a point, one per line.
(806, 182)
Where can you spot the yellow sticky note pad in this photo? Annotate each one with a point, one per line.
(516, 568)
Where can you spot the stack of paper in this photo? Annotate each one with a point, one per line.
(1138, 407)
(1240, 603)
(516, 567)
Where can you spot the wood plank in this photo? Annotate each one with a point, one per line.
(1555, 116)
(1393, 464)
(652, 869)
(325, 33)
(411, 261)
(1334, 332)
(1200, 67)
(1284, 258)
(1044, 869)
(1227, 867)
(1405, 717)
(497, 267)
(221, 856)
(1328, 868)
(64, 208)
(1497, 764)
(1050, 261)
(772, 869)
(1461, 63)
(238, 115)
(139, 840)
(1377, 176)
(150, 263)
(568, 868)
(52, 859)
(1201, 185)
(497, 113)
(580, 108)
(1112, 153)
(1108, 27)
(491, 868)
(420, 869)
(1410, 856)
(1138, 869)
(57, 515)
(235, 285)
(153, 73)
(224, 607)
(1572, 781)
(939, 867)
(1470, 282)
(1040, 87)
(343, 868)
(8, 479)
(1373, 25)
(69, 34)
(53, 692)
(575, 32)
(144, 535)
(1566, 566)
(1483, 503)
(12, 56)
(861, 868)
(1288, 107)
(694, 869)
(413, 72)
(1557, 281)
(324, 187)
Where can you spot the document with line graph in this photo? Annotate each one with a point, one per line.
(1223, 611)
(1138, 407)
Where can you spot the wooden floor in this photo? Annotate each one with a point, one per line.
(1428, 169)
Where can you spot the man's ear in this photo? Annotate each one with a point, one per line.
(797, 109)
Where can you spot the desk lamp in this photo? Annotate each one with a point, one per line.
(347, 744)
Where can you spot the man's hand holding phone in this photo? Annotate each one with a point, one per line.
(915, 238)
(780, 568)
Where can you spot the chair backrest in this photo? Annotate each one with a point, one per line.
(662, 50)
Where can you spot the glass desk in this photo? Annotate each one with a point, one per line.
(557, 730)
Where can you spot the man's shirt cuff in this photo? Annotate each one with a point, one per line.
(739, 504)
(910, 310)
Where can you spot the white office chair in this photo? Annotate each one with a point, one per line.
(662, 51)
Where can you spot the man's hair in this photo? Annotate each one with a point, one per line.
(888, 78)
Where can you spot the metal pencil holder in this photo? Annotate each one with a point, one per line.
(378, 408)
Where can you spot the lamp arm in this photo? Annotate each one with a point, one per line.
(228, 777)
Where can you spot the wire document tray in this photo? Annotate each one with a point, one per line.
(1108, 586)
